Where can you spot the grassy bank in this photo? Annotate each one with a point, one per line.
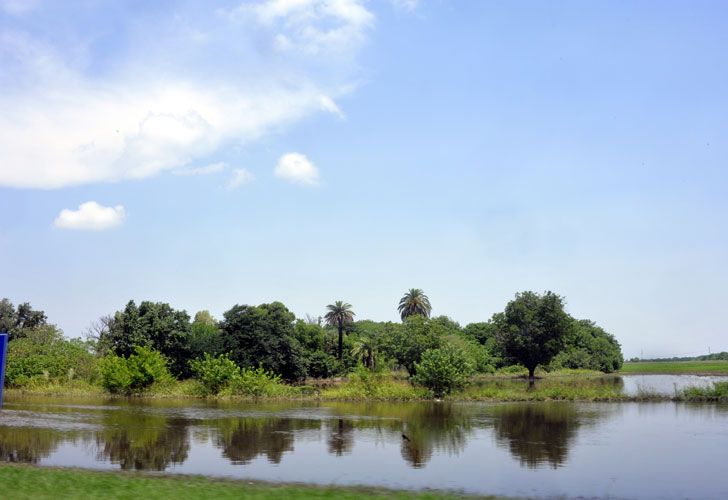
(676, 367)
(563, 385)
(21, 481)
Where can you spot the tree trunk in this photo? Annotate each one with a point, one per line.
(531, 374)
(341, 341)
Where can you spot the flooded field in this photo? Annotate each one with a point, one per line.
(641, 450)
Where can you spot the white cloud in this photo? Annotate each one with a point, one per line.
(295, 167)
(212, 80)
(240, 176)
(213, 168)
(311, 26)
(407, 5)
(90, 216)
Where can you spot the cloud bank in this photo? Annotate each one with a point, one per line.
(90, 216)
(100, 92)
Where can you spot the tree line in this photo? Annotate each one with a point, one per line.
(533, 330)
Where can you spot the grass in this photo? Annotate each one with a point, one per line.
(719, 392)
(29, 482)
(676, 367)
(561, 385)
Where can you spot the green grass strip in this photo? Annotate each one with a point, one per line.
(24, 481)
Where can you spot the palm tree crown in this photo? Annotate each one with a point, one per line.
(339, 314)
(414, 302)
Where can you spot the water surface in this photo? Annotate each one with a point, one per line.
(635, 450)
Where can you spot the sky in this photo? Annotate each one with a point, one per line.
(208, 154)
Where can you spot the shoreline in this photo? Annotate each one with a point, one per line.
(500, 388)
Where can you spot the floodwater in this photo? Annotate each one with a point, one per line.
(633, 450)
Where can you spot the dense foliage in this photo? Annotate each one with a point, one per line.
(442, 370)
(589, 347)
(264, 336)
(134, 373)
(532, 328)
(18, 321)
(254, 348)
(155, 325)
(44, 354)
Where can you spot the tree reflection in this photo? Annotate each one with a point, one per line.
(442, 427)
(243, 439)
(537, 433)
(341, 436)
(28, 444)
(143, 441)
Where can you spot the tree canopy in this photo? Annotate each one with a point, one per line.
(263, 336)
(532, 329)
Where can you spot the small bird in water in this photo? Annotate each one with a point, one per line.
(405, 438)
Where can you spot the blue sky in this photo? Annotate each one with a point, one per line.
(314, 150)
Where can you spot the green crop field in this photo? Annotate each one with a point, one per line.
(676, 367)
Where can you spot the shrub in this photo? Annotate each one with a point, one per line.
(134, 374)
(214, 373)
(257, 382)
(442, 370)
(44, 355)
(322, 365)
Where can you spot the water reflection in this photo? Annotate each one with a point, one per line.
(537, 433)
(340, 439)
(143, 441)
(441, 427)
(244, 439)
(28, 445)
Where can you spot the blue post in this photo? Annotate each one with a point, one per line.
(3, 357)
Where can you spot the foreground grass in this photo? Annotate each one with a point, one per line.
(23, 481)
(676, 367)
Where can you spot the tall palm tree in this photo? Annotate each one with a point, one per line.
(414, 302)
(339, 314)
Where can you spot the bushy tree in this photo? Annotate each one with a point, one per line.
(43, 352)
(16, 321)
(135, 373)
(588, 346)
(443, 370)
(263, 336)
(214, 373)
(155, 325)
(205, 336)
(532, 329)
(405, 343)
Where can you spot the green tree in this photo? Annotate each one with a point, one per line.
(442, 370)
(405, 343)
(589, 347)
(532, 328)
(205, 336)
(17, 321)
(339, 314)
(263, 336)
(414, 302)
(365, 351)
(155, 325)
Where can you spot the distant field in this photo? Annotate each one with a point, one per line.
(695, 367)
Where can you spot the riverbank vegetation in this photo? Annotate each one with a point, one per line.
(264, 351)
(23, 481)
